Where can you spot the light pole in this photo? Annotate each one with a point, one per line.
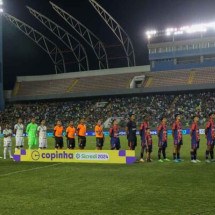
(2, 102)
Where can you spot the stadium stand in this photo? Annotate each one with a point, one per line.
(111, 82)
(154, 105)
(80, 82)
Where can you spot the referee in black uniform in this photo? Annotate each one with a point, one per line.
(131, 129)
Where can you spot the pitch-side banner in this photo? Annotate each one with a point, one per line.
(76, 156)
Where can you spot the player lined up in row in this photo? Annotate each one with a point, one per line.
(36, 132)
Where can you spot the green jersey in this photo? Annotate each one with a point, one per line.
(32, 129)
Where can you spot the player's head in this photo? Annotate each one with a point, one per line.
(99, 122)
(177, 117)
(132, 117)
(59, 123)
(148, 130)
(115, 122)
(7, 126)
(19, 120)
(146, 118)
(196, 118)
(163, 119)
(82, 121)
(43, 122)
(212, 115)
(71, 123)
(33, 120)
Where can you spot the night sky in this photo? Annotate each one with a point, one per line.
(23, 57)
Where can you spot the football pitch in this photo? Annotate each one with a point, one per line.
(142, 188)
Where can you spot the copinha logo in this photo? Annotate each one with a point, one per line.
(35, 155)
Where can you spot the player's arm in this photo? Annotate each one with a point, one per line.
(15, 129)
(147, 139)
(193, 128)
(5, 135)
(173, 129)
(141, 130)
(67, 132)
(11, 133)
(54, 131)
(207, 127)
(159, 130)
(38, 130)
(27, 129)
(127, 129)
(77, 130)
(110, 132)
(97, 131)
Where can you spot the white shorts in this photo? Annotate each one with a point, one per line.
(7, 143)
(43, 143)
(19, 141)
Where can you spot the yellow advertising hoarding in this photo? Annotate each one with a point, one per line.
(76, 156)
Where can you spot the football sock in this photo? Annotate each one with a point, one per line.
(141, 155)
(159, 154)
(192, 155)
(206, 154)
(195, 155)
(164, 153)
(212, 154)
(174, 156)
(9, 151)
(178, 156)
(5, 152)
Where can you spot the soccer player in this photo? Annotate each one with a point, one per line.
(18, 131)
(162, 139)
(195, 139)
(177, 138)
(81, 132)
(58, 134)
(143, 127)
(31, 130)
(70, 135)
(7, 132)
(99, 135)
(148, 145)
(42, 133)
(114, 136)
(131, 129)
(210, 135)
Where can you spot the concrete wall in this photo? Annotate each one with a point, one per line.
(122, 92)
(85, 74)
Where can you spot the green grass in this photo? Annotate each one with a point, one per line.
(145, 189)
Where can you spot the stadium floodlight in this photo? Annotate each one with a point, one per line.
(151, 33)
(1, 8)
(188, 29)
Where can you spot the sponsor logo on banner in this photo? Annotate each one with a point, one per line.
(201, 131)
(36, 155)
(91, 156)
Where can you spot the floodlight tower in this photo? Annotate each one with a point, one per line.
(2, 103)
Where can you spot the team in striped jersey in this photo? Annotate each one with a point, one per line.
(39, 134)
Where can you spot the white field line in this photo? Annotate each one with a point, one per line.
(28, 170)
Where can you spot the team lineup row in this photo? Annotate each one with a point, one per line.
(39, 134)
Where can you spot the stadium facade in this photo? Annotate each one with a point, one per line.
(183, 48)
